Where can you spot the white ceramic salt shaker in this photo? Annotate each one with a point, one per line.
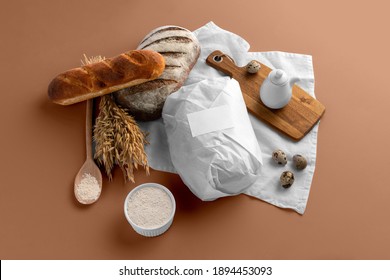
(276, 90)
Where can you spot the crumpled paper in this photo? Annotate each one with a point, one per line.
(224, 157)
(267, 186)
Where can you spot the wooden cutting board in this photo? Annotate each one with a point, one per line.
(295, 120)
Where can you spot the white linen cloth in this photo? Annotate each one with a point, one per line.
(267, 186)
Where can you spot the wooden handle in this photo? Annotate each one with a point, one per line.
(88, 128)
(221, 62)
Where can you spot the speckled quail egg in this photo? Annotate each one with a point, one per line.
(253, 67)
(287, 179)
(279, 157)
(300, 162)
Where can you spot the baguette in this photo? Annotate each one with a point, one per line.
(112, 74)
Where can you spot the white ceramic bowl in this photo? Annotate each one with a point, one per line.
(150, 231)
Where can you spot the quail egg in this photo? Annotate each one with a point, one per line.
(287, 179)
(300, 162)
(279, 157)
(253, 67)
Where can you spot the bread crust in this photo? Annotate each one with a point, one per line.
(100, 78)
(180, 49)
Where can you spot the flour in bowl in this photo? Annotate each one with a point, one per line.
(149, 207)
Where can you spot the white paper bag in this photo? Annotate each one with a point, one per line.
(211, 140)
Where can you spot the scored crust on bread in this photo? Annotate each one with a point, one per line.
(104, 77)
(180, 49)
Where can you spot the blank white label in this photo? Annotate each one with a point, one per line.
(210, 120)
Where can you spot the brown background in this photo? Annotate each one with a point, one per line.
(347, 216)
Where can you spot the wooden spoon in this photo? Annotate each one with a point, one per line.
(88, 181)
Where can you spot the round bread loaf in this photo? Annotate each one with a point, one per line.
(180, 49)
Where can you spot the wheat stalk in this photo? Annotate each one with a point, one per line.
(93, 59)
(118, 139)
